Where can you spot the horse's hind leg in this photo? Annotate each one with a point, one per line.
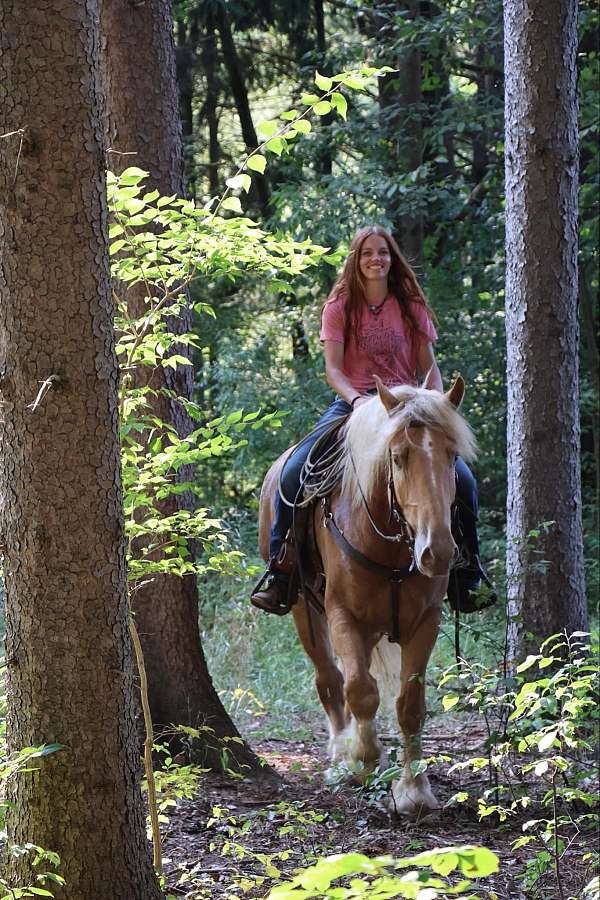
(412, 795)
(329, 680)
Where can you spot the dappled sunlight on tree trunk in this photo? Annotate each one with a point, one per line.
(546, 585)
(69, 660)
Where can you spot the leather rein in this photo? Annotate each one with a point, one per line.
(395, 575)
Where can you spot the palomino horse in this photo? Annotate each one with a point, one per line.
(393, 510)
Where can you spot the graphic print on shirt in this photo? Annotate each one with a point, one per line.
(383, 346)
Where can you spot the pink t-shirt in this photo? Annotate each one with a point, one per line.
(387, 346)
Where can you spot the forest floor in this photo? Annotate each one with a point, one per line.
(237, 838)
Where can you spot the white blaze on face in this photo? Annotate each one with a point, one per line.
(427, 447)
(434, 545)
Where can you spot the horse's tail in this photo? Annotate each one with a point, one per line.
(385, 669)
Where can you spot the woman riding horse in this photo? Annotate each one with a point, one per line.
(376, 322)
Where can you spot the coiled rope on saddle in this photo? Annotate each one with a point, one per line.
(324, 465)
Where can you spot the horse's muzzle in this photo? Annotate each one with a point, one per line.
(435, 556)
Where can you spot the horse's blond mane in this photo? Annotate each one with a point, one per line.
(371, 428)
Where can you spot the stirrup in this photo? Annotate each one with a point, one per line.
(282, 606)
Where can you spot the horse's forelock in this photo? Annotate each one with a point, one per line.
(371, 428)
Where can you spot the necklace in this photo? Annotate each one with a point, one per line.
(375, 309)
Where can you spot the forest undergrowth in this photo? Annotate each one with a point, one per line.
(512, 761)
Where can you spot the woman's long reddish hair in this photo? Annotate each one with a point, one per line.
(402, 283)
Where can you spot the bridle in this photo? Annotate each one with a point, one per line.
(396, 514)
(396, 575)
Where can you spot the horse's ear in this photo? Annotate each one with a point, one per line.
(429, 383)
(385, 395)
(457, 392)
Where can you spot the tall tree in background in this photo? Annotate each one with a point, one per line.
(143, 120)
(400, 98)
(68, 653)
(541, 320)
(239, 89)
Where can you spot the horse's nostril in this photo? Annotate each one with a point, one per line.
(427, 555)
(438, 556)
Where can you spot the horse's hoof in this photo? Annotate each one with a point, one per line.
(413, 799)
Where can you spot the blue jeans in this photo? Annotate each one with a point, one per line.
(467, 507)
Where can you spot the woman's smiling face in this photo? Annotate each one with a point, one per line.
(375, 260)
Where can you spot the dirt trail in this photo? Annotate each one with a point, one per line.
(239, 853)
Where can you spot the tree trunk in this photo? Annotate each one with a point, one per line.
(324, 158)
(588, 313)
(185, 64)
(399, 100)
(69, 658)
(143, 117)
(209, 58)
(545, 583)
(240, 95)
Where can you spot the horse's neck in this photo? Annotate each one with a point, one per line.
(355, 522)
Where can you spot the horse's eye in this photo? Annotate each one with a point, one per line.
(398, 458)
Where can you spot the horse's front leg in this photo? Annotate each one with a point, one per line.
(328, 678)
(412, 795)
(358, 745)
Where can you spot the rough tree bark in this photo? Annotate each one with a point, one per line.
(400, 97)
(69, 659)
(541, 320)
(142, 115)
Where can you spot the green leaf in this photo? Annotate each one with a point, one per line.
(288, 115)
(356, 82)
(528, 662)
(256, 162)
(232, 203)
(310, 99)
(418, 766)
(340, 104)
(323, 82)
(276, 145)
(133, 172)
(303, 126)
(546, 740)
(50, 748)
(546, 661)
(239, 181)
(322, 108)
(448, 702)
(165, 201)
(134, 205)
(267, 127)
(485, 862)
